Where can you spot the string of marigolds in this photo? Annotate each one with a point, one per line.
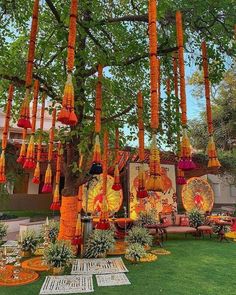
(116, 186)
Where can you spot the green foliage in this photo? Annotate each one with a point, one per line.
(29, 241)
(147, 217)
(139, 235)
(3, 230)
(135, 251)
(53, 230)
(196, 218)
(58, 254)
(99, 242)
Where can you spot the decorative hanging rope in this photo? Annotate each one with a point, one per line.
(22, 155)
(56, 195)
(185, 162)
(117, 186)
(141, 192)
(104, 214)
(77, 240)
(47, 187)
(24, 120)
(211, 148)
(36, 178)
(30, 154)
(97, 165)
(5, 133)
(67, 114)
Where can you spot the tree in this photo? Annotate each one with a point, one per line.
(113, 33)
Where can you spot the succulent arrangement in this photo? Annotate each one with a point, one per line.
(29, 241)
(196, 218)
(135, 252)
(58, 254)
(147, 217)
(140, 236)
(99, 242)
(3, 230)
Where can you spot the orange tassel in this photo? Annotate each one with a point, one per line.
(141, 192)
(30, 156)
(56, 196)
(21, 158)
(2, 167)
(36, 178)
(96, 165)
(47, 187)
(185, 162)
(213, 161)
(24, 120)
(77, 240)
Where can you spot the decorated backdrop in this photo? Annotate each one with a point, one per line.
(162, 202)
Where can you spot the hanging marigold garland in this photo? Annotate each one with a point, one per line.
(141, 192)
(47, 187)
(97, 165)
(185, 162)
(77, 240)
(30, 154)
(211, 148)
(5, 133)
(67, 114)
(36, 178)
(104, 214)
(55, 206)
(24, 120)
(22, 155)
(117, 186)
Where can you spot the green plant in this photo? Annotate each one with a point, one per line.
(29, 241)
(99, 242)
(139, 235)
(147, 217)
(196, 218)
(3, 230)
(53, 230)
(58, 254)
(219, 228)
(135, 251)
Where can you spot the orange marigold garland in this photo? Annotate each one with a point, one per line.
(141, 192)
(117, 186)
(30, 155)
(96, 165)
(47, 187)
(5, 134)
(22, 155)
(104, 214)
(77, 240)
(67, 114)
(24, 120)
(185, 162)
(36, 178)
(211, 149)
(55, 206)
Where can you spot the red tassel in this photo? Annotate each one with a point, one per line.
(2, 168)
(47, 187)
(30, 158)
(116, 186)
(24, 120)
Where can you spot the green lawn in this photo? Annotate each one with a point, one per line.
(195, 267)
(32, 214)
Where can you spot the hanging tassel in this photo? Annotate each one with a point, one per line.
(2, 168)
(56, 204)
(141, 192)
(96, 165)
(24, 120)
(47, 187)
(154, 182)
(22, 155)
(180, 177)
(36, 177)
(185, 162)
(213, 161)
(77, 240)
(29, 162)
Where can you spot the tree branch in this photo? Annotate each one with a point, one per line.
(55, 12)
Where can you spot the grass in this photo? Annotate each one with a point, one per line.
(195, 267)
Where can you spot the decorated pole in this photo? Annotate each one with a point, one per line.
(141, 192)
(185, 162)
(67, 114)
(96, 167)
(30, 154)
(211, 148)
(24, 120)
(117, 186)
(5, 134)
(154, 182)
(55, 206)
(104, 214)
(47, 187)
(36, 178)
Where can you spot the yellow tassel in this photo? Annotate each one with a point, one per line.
(96, 165)
(2, 167)
(78, 230)
(213, 161)
(30, 156)
(21, 158)
(36, 178)
(47, 187)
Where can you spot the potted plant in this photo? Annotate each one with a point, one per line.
(58, 255)
(147, 217)
(52, 230)
(135, 252)
(99, 242)
(196, 218)
(29, 242)
(3, 230)
(139, 235)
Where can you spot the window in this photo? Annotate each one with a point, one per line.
(232, 190)
(216, 189)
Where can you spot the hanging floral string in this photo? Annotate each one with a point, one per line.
(36, 178)
(30, 154)
(55, 206)
(47, 187)
(24, 120)
(77, 240)
(67, 114)
(5, 133)
(185, 162)
(211, 148)
(104, 214)
(22, 155)
(117, 186)
(96, 165)
(141, 192)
